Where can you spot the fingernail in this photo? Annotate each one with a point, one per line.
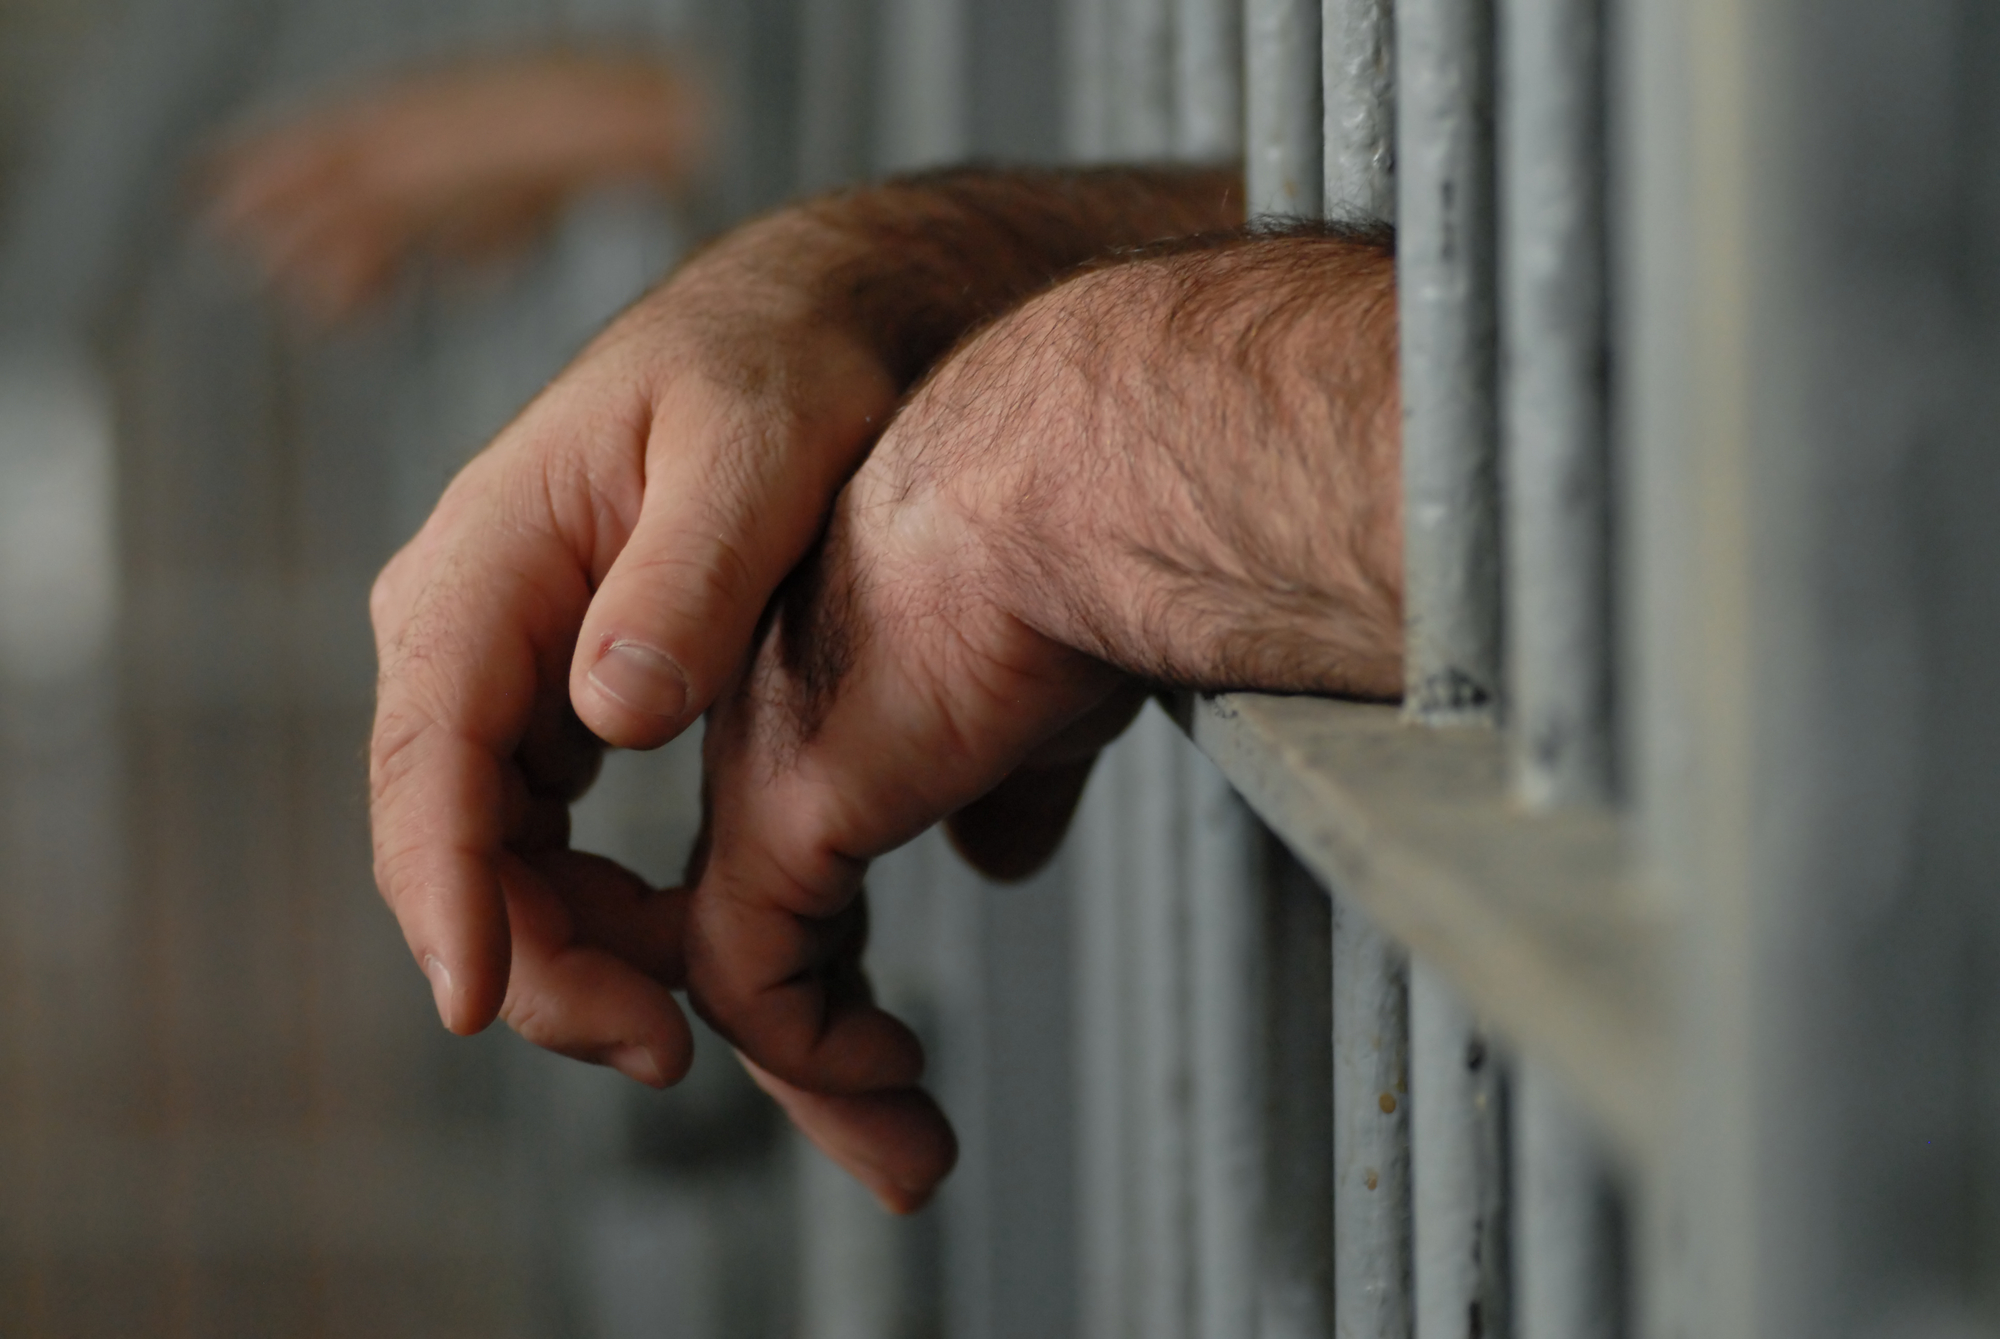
(440, 976)
(637, 1063)
(642, 678)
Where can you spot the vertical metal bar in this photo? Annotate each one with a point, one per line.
(1228, 961)
(1158, 933)
(1568, 1239)
(1295, 1248)
(1555, 412)
(854, 1261)
(1104, 1222)
(921, 111)
(1445, 264)
(1371, 1136)
(836, 92)
(1141, 47)
(1555, 445)
(1208, 83)
(1106, 1122)
(1445, 244)
(1685, 330)
(1282, 107)
(1086, 38)
(1358, 70)
(1458, 1168)
(1371, 1132)
(1228, 954)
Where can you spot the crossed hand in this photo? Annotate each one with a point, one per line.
(898, 607)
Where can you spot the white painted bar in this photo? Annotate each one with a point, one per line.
(1208, 79)
(1229, 955)
(1295, 1246)
(1568, 1241)
(1371, 1207)
(1371, 1131)
(1358, 71)
(1458, 1168)
(1283, 159)
(1444, 255)
(1106, 1228)
(1161, 1110)
(1140, 45)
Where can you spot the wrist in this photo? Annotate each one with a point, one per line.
(1144, 483)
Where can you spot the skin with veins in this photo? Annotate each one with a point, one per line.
(1148, 462)
(1181, 470)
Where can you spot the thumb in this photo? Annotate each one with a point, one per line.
(736, 490)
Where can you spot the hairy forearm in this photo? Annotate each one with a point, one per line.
(1194, 462)
(908, 266)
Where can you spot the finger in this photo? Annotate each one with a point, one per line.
(896, 1143)
(570, 995)
(471, 621)
(267, 176)
(1010, 832)
(737, 482)
(787, 989)
(927, 710)
(324, 227)
(337, 256)
(498, 223)
(1014, 829)
(611, 908)
(558, 757)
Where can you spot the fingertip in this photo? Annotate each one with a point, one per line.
(896, 1143)
(459, 1008)
(923, 1164)
(902, 1201)
(644, 1064)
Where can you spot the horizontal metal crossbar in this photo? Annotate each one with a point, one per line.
(1538, 918)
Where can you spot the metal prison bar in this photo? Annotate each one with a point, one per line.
(1419, 1135)
(1646, 998)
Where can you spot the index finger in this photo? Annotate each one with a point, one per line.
(474, 621)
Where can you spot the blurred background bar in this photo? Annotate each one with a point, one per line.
(1158, 933)
(1208, 80)
(1569, 1237)
(1282, 130)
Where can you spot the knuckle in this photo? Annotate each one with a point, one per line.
(710, 576)
(528, 1014)
(393, 753)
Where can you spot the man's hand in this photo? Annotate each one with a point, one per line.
(470, 161)
(1180, 470)
(607, 558)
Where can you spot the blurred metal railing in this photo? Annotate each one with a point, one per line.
(1465, 1192)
